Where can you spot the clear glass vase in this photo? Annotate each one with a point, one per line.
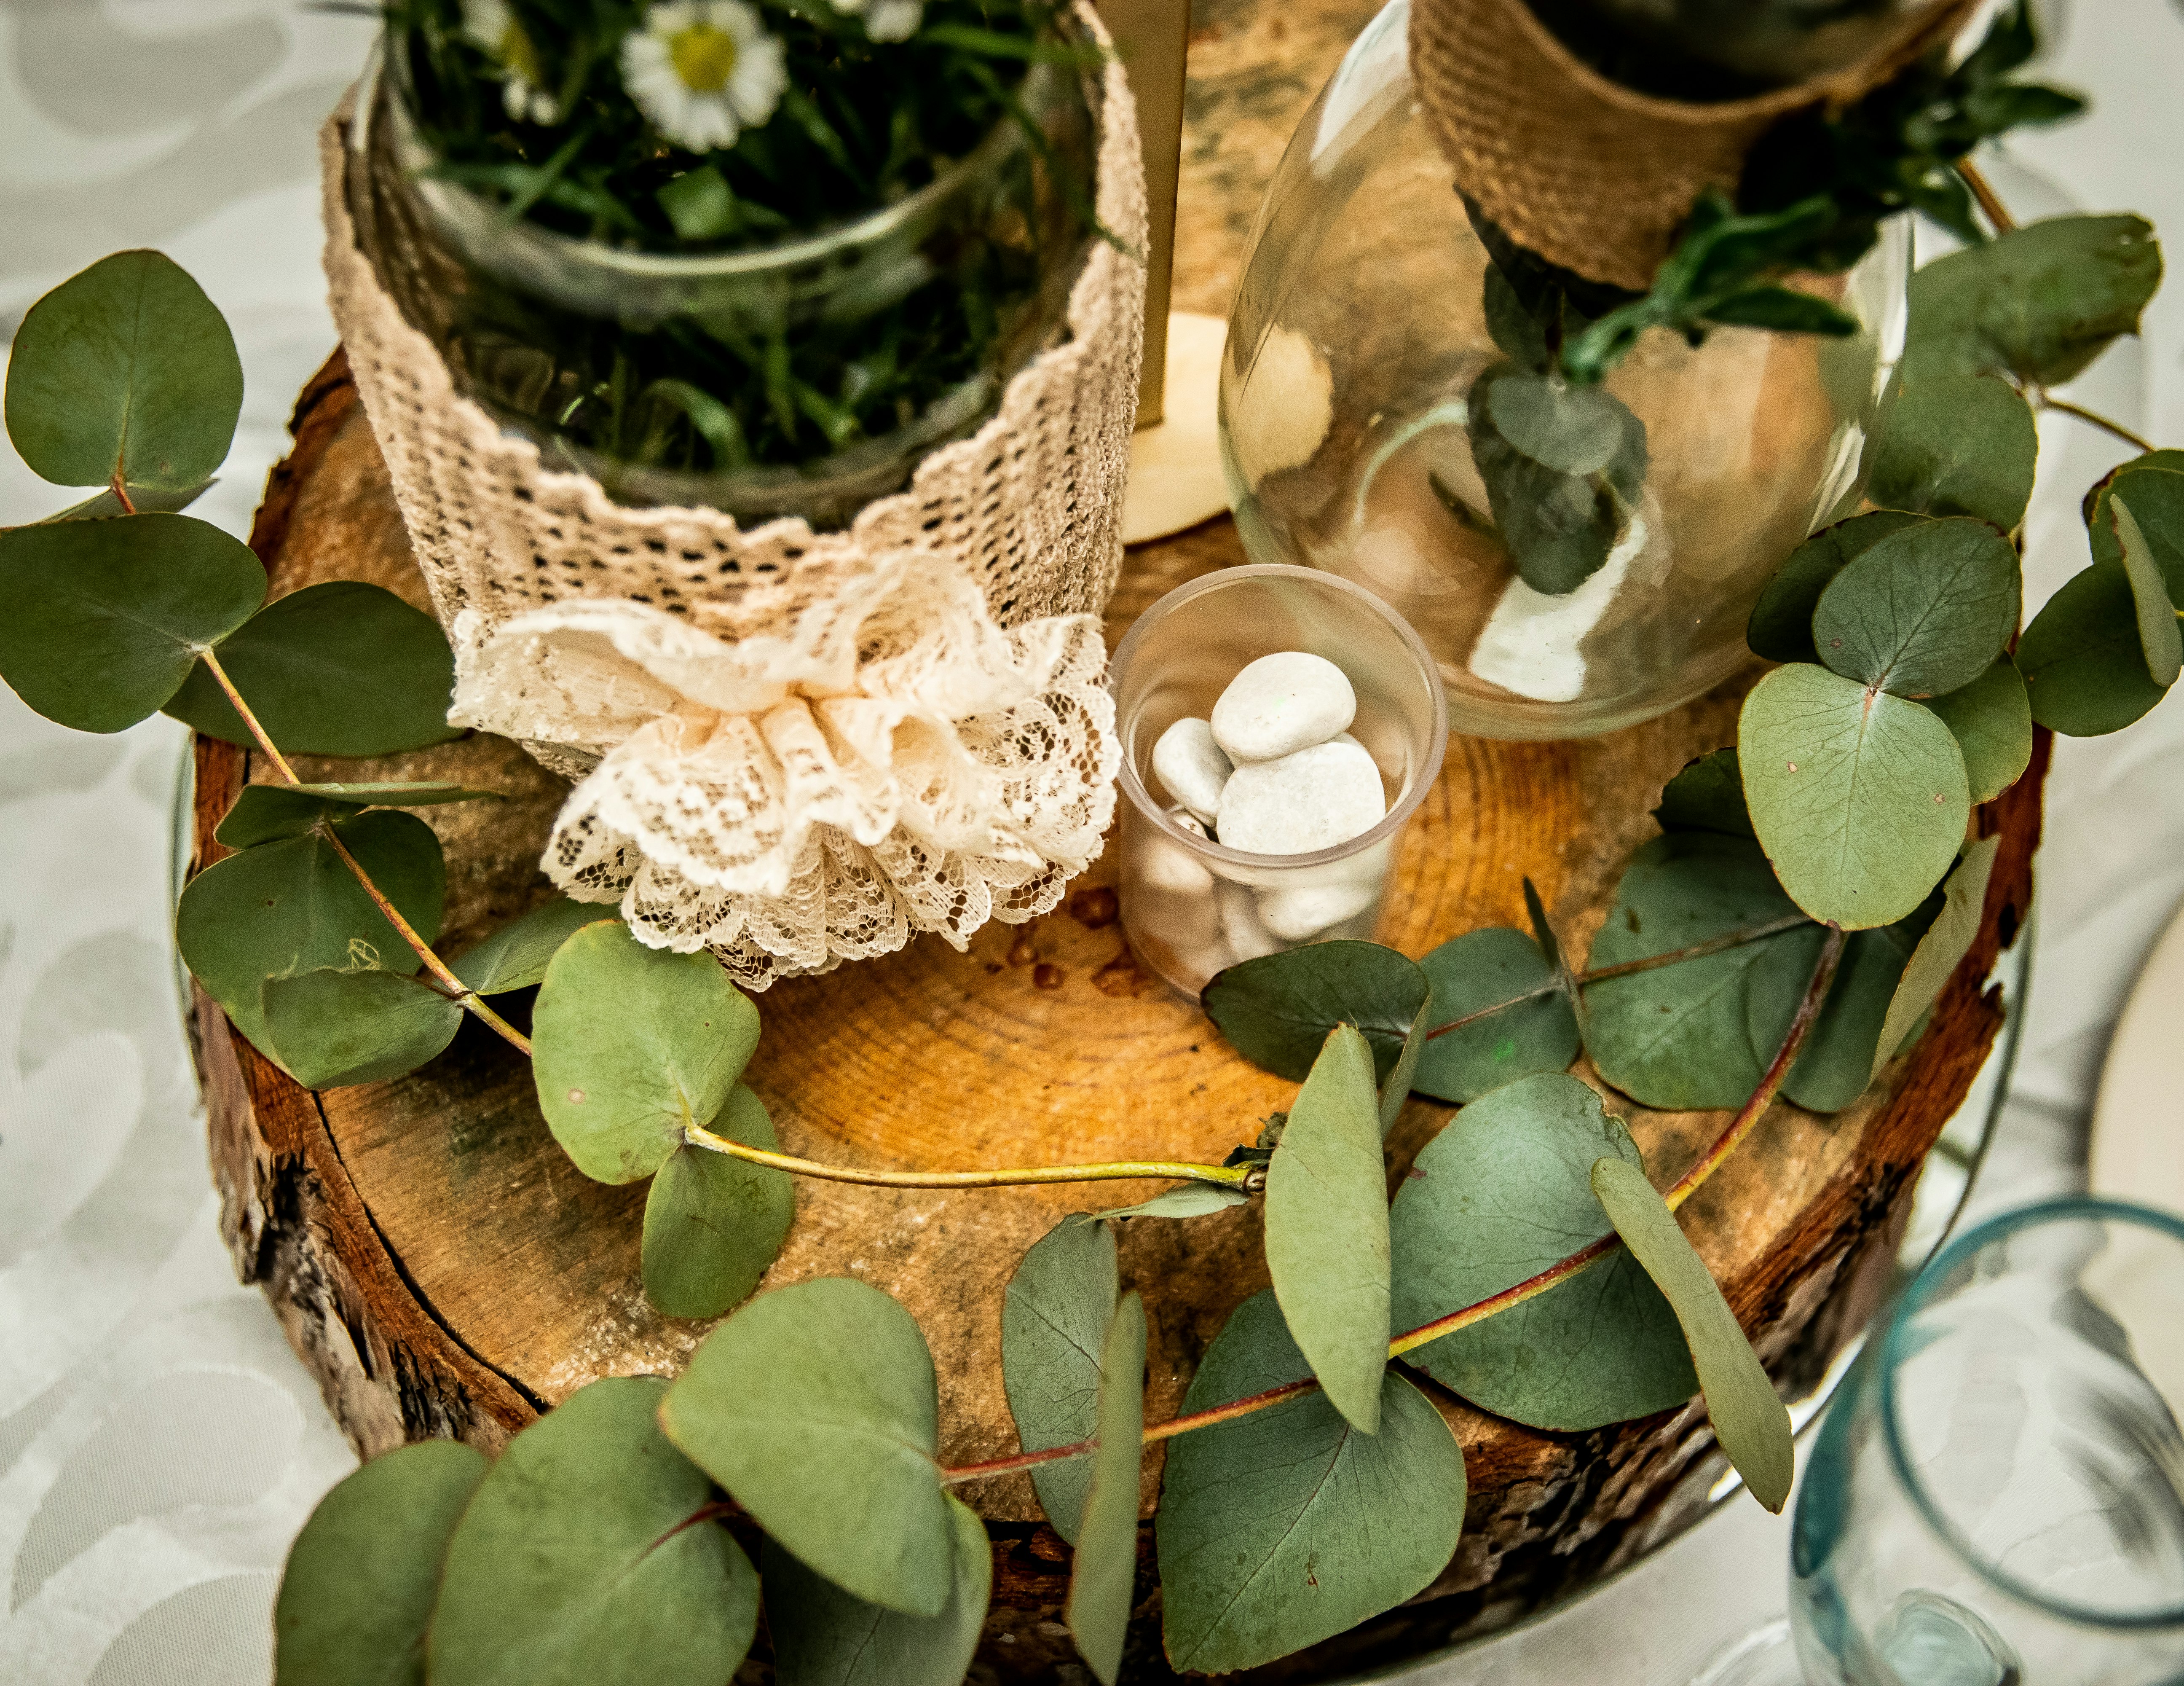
(805, 378)
(1358, 347)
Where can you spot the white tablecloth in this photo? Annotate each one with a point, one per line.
(159, 1444)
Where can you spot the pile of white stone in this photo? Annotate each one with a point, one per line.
(1274, 772)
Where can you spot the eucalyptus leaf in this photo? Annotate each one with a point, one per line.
(1860, 797)
(631, 1045)
(516, 957)
(125, 371)
(1991, 720)
(105, 619)
(1276, 1010)
(337, 668)
(1924, 612)
(361, 1578)
(2081, 659)
(1707, 795)
(1838, 1062)
(264, 813)
(1055, 1315)
(1698, 1032)
(293, 907)
(142, 501)
(331, 1028)
(1749, 1420)
(816, 1406)
(2040, 302)
(2154, 484)
(2157, 637)
(1471, 972)
(1286, 1526)
(1397, 1088)
(1502, 1194)
(1782, 309)
(1781, 625)
(1191, 1200)
(823, 1635)
(1558, 524)
(1327, 1227)
(1944, 943)
(713, 1223)
(1103, 1574)
(1957, 445)
(584, 1559)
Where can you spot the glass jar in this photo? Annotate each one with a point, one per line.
(1359, 334)
(806, 378)
(1190, 905)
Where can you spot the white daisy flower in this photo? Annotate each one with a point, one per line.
(492, 26)
(885, 20)
(703, 71)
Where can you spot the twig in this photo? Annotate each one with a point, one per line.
(242, 710)
(1246, 1177)
(121, 497)
(2046, 402)
(1998, 213)
(1748, 1115)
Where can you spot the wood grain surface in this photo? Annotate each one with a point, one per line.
(445, 1271)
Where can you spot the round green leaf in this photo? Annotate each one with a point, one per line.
(2154, 484)
(1276, 1010)
(126, 368)
(1700, 1032)
(1471, 972)
(1499, 1195)
(1836, 1062)
(631, 1045)
(516, 957)
(1924, 612)
(1559, 526)
(1707, 795)
(816, 1406)
(1327, 1227)
(713, 1224)
(1957, 445)
(2041, 301)
(264, 813)
(1103, 1574)
(1191, 1200)
(1991, 718)
(1749, 1420)
(339, 668)
(361, 1579)
(2157, 637)
(333, 1028)
(1054, 1317)
(1575, 430)
(581, 1561)
(1946, 940)
(1860, 797)
(293, 907)
(2082, 660)
(1287, 1527)
(823, 1635)
(105, 619)
(1781, 625)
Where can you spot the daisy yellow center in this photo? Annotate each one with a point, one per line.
(704, 58)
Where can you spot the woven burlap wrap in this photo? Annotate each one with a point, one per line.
(1586, 173)
(796, 748)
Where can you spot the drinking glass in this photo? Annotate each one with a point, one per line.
(1997, 1497)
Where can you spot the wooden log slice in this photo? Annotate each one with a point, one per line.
(444, 1271)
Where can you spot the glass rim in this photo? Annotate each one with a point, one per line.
(1392, 822)
(874, 227)
(1915, 1298)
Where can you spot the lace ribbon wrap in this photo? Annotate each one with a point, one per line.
(795, 748)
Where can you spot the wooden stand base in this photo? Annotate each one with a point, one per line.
(445, 1271)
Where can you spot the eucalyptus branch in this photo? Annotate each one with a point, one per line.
(242, 712)
(1990, 202)
(121, 497)
(1697, 951)
(2042, 400)
(1247, 1178)
(1748, 1115)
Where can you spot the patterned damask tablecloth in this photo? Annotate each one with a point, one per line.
(158, 1444)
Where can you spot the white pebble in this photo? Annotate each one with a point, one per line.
(1247, 939)
(1185, 922)
(1293, 915)
(1190, 765)
(1170, 868)
(1280, 704)
(1311, 800)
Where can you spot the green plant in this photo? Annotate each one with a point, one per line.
(1784, 934)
